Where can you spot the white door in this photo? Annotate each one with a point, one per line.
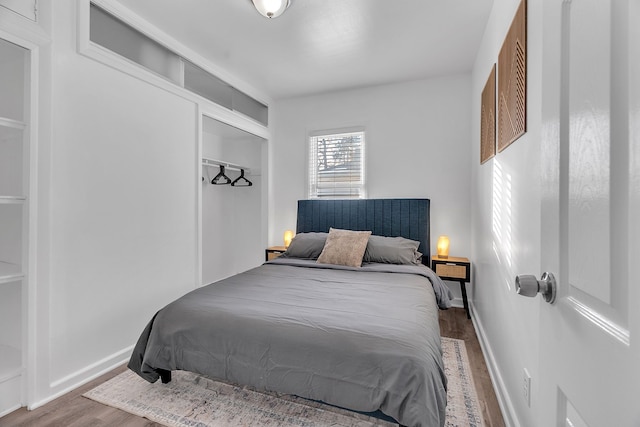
(590, 337)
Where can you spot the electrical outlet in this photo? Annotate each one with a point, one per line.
(526, 387)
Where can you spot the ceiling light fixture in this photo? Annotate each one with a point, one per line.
(271, 8)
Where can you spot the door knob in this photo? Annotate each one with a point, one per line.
(528, 286)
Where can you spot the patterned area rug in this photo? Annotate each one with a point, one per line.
(195, 401)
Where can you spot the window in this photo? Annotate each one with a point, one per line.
(108, 31)
(336, 165)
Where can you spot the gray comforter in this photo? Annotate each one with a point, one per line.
(363, 339)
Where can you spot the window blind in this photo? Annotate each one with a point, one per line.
(336, 166)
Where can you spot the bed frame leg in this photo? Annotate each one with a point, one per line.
(165, 376)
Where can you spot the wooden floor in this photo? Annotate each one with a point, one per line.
(454, 324)
(73, 410)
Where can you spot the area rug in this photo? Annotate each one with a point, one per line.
(191, 400)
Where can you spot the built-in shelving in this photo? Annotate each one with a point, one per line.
(14, 207)
(11, 365)
(11, 165)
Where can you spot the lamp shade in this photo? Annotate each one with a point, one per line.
(288, 237)
(271, 8)
(443, 247)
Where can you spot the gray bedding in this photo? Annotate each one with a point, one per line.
(363, 339)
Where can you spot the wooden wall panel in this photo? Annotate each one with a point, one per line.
(512, 81)
(488, 118)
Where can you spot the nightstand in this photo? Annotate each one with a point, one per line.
(273, 252)
(454, 269)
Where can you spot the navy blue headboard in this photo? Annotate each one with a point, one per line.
(407, 218)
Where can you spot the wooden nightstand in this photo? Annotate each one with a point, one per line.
(455, 269)
(273, 252)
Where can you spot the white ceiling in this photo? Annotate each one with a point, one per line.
(326, 45)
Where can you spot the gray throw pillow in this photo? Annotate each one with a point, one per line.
(306, 245)
(392, 250)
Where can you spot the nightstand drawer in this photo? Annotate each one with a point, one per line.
(274, 252)
(451, 270)
(273, 255)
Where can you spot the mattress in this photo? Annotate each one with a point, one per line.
(364, 338)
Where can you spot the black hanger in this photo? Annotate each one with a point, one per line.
(241, 177)
(221, 175)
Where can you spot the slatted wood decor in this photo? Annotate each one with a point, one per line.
(512, 81)
(488, 118)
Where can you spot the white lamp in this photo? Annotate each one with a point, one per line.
(271, 8)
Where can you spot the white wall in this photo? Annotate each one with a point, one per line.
(117, 198)
(123, 207)
(118, 181)
(417, 145)
(506, 225)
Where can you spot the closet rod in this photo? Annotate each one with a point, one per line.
(227, 165)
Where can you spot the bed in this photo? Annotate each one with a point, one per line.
(365, 338)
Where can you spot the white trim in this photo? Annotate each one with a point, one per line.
(32, 285)
(29, 36)
(17, 27)
(337, 131)
(457, 303)
(120, 356)
(231, 118)
(509, 413)
(9, 410)
(198, 180)
(79, 378)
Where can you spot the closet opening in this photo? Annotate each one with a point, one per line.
(233, 216)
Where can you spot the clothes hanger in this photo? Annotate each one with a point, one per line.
(220, 176)
(241, 177)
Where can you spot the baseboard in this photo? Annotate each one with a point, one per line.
(9, 410)
(89, 373)
(457, 303)
(504, 401)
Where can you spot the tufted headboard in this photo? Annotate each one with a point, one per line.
(408, 218)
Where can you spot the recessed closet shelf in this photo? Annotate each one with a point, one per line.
(11, 365)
